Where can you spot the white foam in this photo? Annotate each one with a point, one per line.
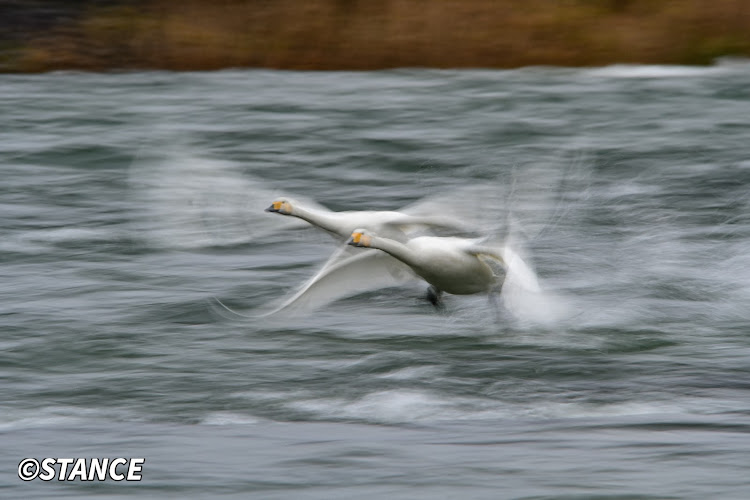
(653, 71)
(228, 418)
(39, 240)
(51, 416)
(384, 406)
(414, 406)
(66, 235)
(412, 373)
(16, 243)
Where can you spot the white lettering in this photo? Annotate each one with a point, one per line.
(98, 466)
(28, 469)
(79, 470)
(64, 462)
(113, 469)
(48, 469)
(136, 465)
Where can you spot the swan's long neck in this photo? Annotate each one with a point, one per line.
(394, 248)
(320, 218)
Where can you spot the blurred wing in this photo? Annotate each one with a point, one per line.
(544, 193)
(524, 297)
(519, 276)
(520, 279)
(535, 197)
(188, 201)
(349, 271)
(473, 209)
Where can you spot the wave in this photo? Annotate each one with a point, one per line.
(655, 71)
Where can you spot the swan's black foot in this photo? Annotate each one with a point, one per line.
(435, 297)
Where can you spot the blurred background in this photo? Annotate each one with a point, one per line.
(41, 35)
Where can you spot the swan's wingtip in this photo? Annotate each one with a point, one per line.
(227, 312)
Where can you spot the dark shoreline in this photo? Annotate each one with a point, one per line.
(93, 35)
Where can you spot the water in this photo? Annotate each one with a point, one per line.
(131, 201)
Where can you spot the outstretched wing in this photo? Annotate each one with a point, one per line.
(349, 271)
(465, 211)
(518, 273)
(190, 201)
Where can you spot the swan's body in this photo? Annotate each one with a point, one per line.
(454, 265)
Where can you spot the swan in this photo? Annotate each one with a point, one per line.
(392, 224)
(458, 266)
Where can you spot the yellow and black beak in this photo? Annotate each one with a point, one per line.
(355, 239)
(275, 206)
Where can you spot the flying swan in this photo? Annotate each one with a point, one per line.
(341, 224)
(459, 266)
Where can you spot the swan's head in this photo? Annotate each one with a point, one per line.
(282, 206)
(359, 239)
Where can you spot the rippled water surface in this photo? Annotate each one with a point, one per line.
(131, 202)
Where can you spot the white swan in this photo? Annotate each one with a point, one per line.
(459, 266)
(341, 224)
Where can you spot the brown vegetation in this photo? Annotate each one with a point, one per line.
(368, 34)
